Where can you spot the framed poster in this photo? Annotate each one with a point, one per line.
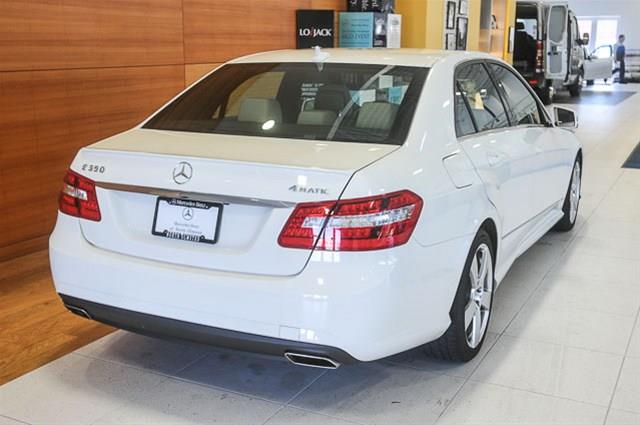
(451, 15)
(450, 41)
(463, 7)
(461, 34)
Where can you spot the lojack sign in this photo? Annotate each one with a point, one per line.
(315, 32)
(314, 28)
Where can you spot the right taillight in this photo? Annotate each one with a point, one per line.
(78, 197)
(539, 57)
(363, 224)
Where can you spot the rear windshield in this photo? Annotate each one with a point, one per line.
(340, 102)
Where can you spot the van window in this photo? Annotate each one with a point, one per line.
(557, 23)
(481, 95)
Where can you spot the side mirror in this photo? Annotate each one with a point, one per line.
(586, 38)
(565, 118)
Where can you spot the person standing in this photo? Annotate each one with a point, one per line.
(620, 53)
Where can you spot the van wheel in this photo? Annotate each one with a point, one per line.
(471, 307)
(575, 90)
(545, 95)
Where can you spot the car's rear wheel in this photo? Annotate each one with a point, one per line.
(471, 307)
(572, 200)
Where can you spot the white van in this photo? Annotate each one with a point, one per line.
(548, 48)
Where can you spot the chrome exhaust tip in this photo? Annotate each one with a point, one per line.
(79, 311)
(309, 360)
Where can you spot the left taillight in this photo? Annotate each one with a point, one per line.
(363, 224)
(78, 197)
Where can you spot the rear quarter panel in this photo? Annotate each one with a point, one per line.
(449, 212)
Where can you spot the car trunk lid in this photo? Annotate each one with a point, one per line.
(256, 182)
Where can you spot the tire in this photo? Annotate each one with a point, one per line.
(464, 338)
(575, 90)
(591, 82)
(545, 95)
(571, 200)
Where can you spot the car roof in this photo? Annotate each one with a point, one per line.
(381, 56)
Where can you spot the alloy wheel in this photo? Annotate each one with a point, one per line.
(478, 308)
(574, 196)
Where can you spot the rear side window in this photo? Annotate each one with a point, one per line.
(464, 122)
(481, 95)
(365, 103)
(523, 108)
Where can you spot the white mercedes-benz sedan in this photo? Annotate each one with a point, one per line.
(327, 206)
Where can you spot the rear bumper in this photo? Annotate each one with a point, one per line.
(163, 327)
(369, 305)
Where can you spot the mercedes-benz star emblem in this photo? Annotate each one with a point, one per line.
(187, 214)
(182, 173)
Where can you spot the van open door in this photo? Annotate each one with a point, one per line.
(557, 42)
(599, 64)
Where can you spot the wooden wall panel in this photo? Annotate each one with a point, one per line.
(41, 34)
(19, 176)
(219, 31)
(329, 4)
(193, 72)
(46, 116)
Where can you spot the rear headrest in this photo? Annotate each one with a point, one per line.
(332, 97)
(377, 115)
(317, 118)
(259, 110)
(520, 26)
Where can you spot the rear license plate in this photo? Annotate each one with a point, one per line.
(187, 220)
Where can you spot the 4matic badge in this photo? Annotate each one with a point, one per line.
(314, 190)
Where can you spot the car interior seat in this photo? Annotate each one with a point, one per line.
(330, 101)
(259, 110)
(377, 116)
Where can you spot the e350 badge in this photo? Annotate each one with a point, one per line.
(93, 168)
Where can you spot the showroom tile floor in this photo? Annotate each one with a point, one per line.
(564, 346)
